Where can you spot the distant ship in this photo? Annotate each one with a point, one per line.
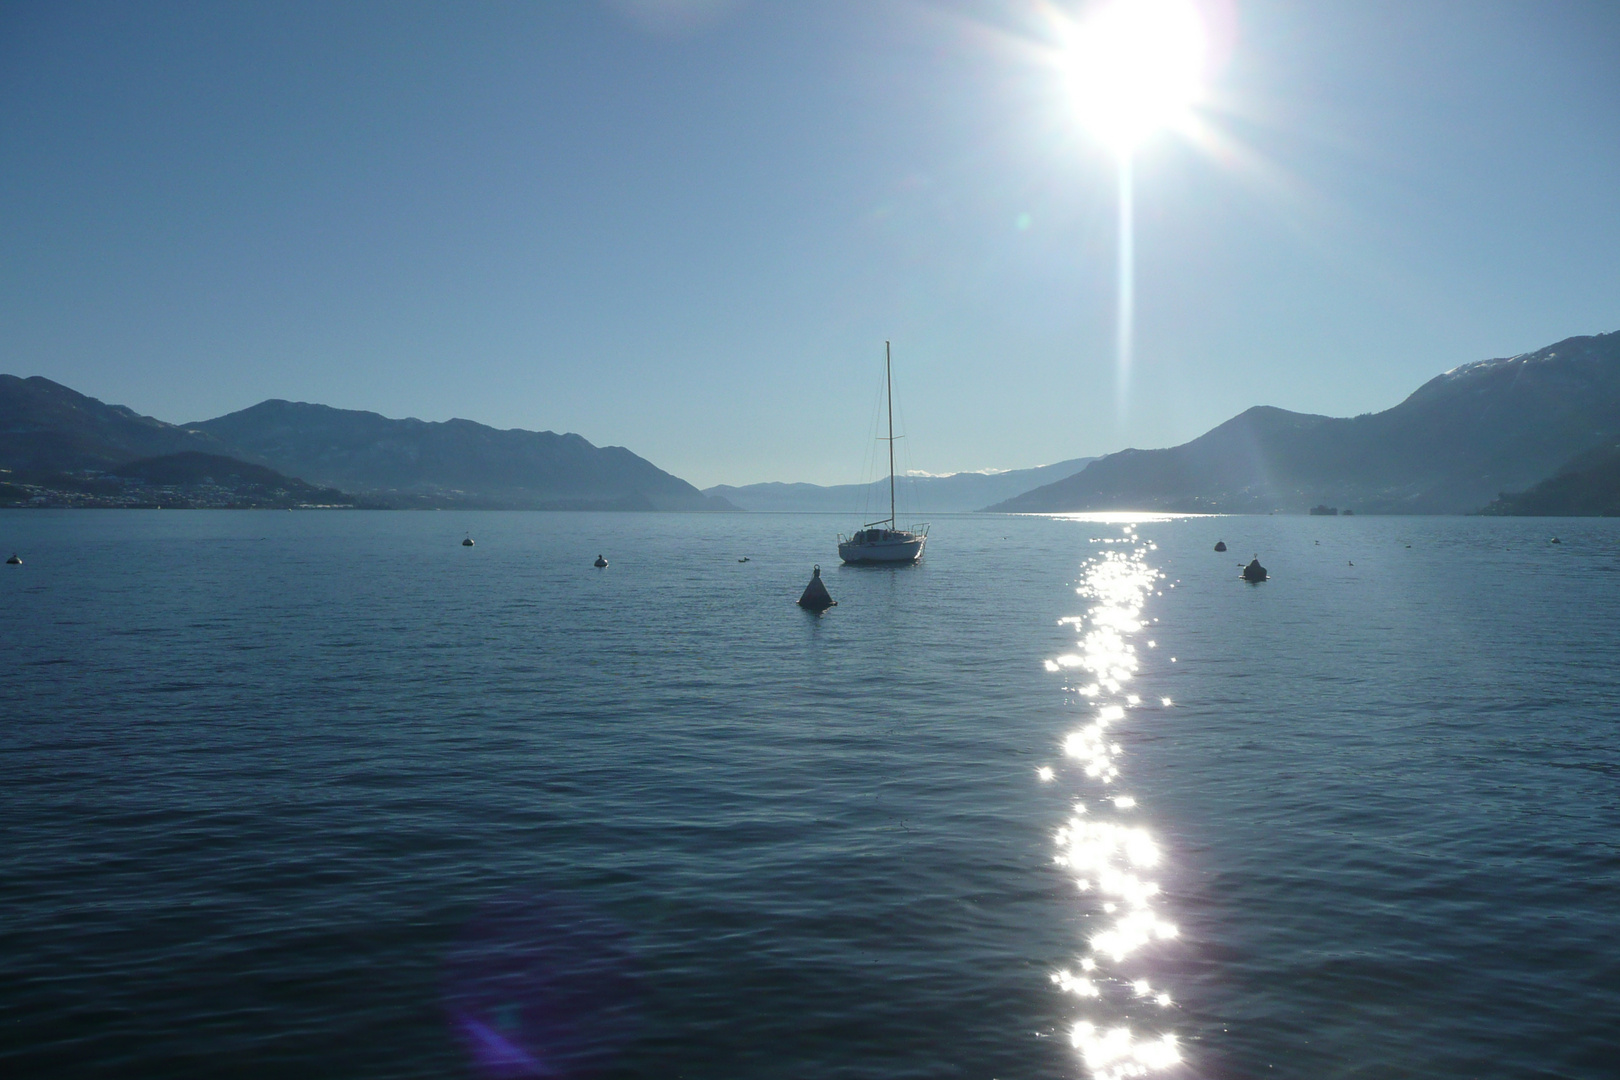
(1324, 510)
(883, 541)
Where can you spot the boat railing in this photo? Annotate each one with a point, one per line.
(917, 530)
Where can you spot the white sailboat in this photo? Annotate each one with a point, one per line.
(884, 541)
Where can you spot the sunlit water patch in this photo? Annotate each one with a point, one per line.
(1123, 1018)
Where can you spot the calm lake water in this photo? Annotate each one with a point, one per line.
(327, 794)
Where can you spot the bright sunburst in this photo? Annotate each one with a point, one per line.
(1134, 67)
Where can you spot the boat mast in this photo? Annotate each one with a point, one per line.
(888, 385)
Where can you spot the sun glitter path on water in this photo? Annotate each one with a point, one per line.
(1109, 855)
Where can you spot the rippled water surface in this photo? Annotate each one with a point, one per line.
(328, 794)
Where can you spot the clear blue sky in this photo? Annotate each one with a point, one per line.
(691, 236)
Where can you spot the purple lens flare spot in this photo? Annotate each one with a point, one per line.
(541, 986)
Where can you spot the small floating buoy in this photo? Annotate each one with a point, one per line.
(1352, 563)
(1220, 545)
(15, 560)
(467, 542)
(1254, 572)
(745, 559)
(600, 563)
(816, 597)
(1555, 540)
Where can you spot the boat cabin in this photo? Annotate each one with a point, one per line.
(879, 536)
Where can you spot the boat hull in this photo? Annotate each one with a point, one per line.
(883, 551)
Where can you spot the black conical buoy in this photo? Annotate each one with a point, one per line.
(1220, 545)
(15, 560)
(467, 542)
(600, 563)
(815, 596)
(1254, 572)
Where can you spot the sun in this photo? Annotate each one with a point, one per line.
(1134, 67)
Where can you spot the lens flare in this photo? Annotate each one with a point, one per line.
(1132, 68)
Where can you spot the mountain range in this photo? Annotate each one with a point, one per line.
(54, 439)
(46, 428)
(1544, 425)
(453, 462)
(1457, 443)
(957, 493)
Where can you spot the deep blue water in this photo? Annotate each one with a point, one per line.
(327, 794)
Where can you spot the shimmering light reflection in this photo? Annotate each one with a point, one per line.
(1115, 1052)
(1112, 856)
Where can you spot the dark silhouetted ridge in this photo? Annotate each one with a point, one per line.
(453, 462)
(1458, 441)
(56, 440)
(46, 427)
